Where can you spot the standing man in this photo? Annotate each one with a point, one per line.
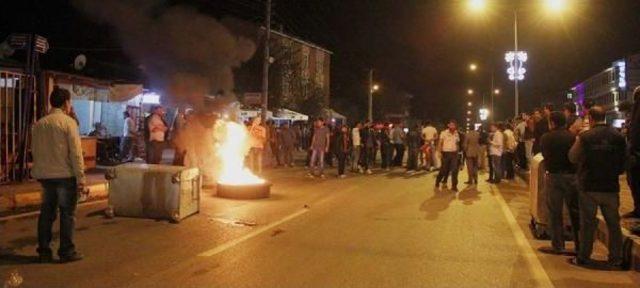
(341, 147)
(368, 147)
(319, 148)
(157, 135)
(448, 145)
(509, 151)
(357, 146)
(541, 127)
(129, 133)
(519, 131)
(600, 155)
(288, 143)
(397, 139)
(59, 167)
(413, 145)
(258, 134)
(429, 135)
(561, 183)
(471, 146)
(496, 147)
(633, 173)
(574, 124)
(274, 144)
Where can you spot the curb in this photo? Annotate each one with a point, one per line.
(631, 242)
(13, 203)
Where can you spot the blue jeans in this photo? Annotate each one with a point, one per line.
(57, 193)
(317, 159)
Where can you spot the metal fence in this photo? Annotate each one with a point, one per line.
(16, 108)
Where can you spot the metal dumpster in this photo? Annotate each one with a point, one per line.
(538, 202)
(153, 191)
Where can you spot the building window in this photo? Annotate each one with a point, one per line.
(320, 68)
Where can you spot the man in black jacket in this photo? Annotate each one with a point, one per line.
(561, 182)
(600, 156)
(633, 172)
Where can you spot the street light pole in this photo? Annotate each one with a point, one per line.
(265, 64)
(515, 41)
(370, 88)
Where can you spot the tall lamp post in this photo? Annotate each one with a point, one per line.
(516, 57)
(371, 88)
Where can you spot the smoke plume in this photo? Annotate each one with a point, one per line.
(183, 52)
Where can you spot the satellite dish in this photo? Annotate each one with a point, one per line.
(80, 62)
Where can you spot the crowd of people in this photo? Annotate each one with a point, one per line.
(584, 158)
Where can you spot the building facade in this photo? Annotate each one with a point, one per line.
(611, 87)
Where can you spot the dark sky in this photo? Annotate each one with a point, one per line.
(418, 46)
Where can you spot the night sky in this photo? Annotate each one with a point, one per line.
(418, 47)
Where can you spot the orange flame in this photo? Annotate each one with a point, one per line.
(232, 149)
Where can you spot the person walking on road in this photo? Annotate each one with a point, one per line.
(600, 155)
(258, 138)
(157, 135)
(386, 148)
(319, 148)
(496, 148)
(398, 140)
(368, 147)
(357, 148)
(471, 146)
(288, 142)
(341, 148)
(413, 145)
(59, 167)
(430, 137)
(561, 183)
(448, 145)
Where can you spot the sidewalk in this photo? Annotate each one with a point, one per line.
(23, 197)
(632, 242)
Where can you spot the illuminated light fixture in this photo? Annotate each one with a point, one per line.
(469, 91)
(556, 5)
(621, 69)
(484, 114)
(473, 67)
(516, 60)
(469, 112)
(496, 91)
(468, 119)
(469, 104)
(375, 87)
(477, 5)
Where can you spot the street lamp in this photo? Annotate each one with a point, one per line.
(468, 112)
(496, 91)
(477, 5)
(470, 91)
(473, 67)
(375, 87)
(469, 104)
(555, 6)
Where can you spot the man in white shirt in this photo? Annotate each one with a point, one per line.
(429, 135)
(157, 129)
(509, 152)
(129, 133)
(357, 146)
(59, 167)
(496, 148)
(449, 145)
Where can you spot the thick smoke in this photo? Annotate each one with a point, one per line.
(184, 53)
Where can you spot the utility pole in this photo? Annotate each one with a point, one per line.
(265, 64)
(370, 89)
(515, 42)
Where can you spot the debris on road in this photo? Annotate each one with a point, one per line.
(276, 232)
(14, 280)
(306, 206)
(234, 222)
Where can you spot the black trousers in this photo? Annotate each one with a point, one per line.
(449, 167)
(521, 156)
(412, 160)
(507, 165)
(342, 161)
(633, 179)
(399, 156)
(57, 194)
(562, 189)
(154, 153)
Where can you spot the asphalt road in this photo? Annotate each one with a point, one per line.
(383, 230)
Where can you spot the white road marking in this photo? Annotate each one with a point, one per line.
(539, 274)
(223, 247)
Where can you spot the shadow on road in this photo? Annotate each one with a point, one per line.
(469, 195)
(437, 203)
(15, 259)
